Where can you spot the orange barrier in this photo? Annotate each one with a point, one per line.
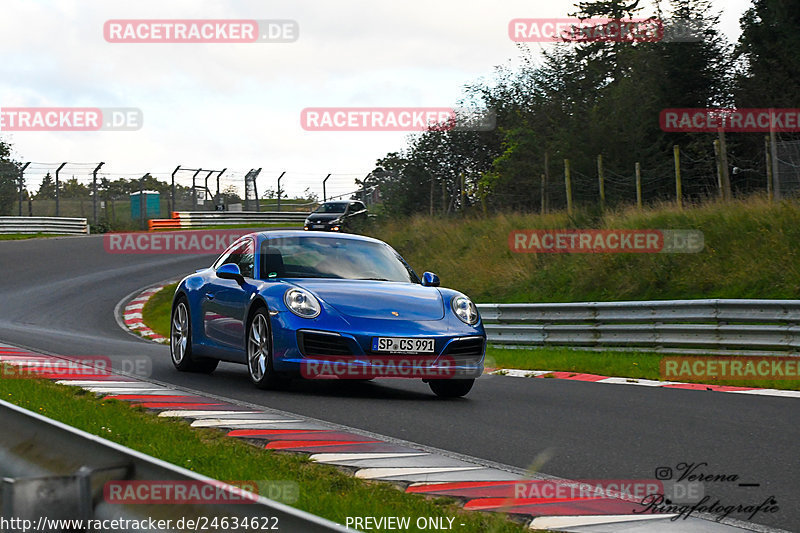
(163, 223)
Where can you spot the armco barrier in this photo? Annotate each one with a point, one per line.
(764, 325)
(51, 470)
(56, 225)
(188, 219)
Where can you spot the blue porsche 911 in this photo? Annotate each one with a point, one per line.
(325, 306)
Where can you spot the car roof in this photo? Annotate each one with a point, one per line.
(316, 234)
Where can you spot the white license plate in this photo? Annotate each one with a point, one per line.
(402, 345)
(318, 226)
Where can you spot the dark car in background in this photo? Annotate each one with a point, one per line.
(336, 216)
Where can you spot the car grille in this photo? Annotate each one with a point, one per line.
(313, 344)
(467, 351)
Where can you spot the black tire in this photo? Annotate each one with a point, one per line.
(451, 388)
(258, 346)
(180, 342)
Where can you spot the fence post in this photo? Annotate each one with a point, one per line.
(94, 192)
(726, 176)
(676, 150)
(22, 185)
(601, 179)
(325, 193)
(639, 185)
(545, 199)
(57, 187)
(773, 141)
(142, 203)
(718, 160)
(279, 190)
(463, 192)
(568, 185)
(194, 188)
(769, 167)
(544, 207)
(172, 192)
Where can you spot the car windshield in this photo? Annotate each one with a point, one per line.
(334, 207)
(332, 257)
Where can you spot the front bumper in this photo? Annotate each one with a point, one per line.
(299, 346)
(323, 226)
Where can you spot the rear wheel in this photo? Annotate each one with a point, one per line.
(259, 352)
(180, 342)
(451, 388)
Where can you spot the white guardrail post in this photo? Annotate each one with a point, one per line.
(742, 325)
(51, 225)
(55, 471)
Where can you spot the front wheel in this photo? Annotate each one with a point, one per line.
(180, 342)
(259, 352)
(451, 388)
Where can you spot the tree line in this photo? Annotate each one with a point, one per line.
(580, 100)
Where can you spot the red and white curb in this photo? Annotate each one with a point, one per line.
(478, 486)
(576, 376)
(132, 315)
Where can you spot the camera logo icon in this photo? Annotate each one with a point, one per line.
(663, 473)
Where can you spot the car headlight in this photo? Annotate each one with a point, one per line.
(302, 303)
(465, 310)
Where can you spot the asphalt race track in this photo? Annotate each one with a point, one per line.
(58, 295)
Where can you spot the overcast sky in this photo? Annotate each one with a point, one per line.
(238, 105)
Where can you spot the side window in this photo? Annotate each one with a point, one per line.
(223, 259)
(242, 255)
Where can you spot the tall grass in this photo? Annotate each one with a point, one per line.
(751, 252)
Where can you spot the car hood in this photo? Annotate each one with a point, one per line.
(378, 299)
(323, 217)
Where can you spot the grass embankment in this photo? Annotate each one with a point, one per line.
(24, 236)
(323, 490)
(623, 364)
(752, 251)
(156, 312)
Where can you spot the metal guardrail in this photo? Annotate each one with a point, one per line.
(56, 225)
(217, 218)
(768, 325)
(55, 471)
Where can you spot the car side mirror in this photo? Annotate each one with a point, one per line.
(429, 279)
(230, 271)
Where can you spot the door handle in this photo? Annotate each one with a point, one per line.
(209, 296)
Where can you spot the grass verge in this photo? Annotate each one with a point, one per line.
(24, 236)
(156, 312)
(752, 251)
(623, 364)
(323, 490)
